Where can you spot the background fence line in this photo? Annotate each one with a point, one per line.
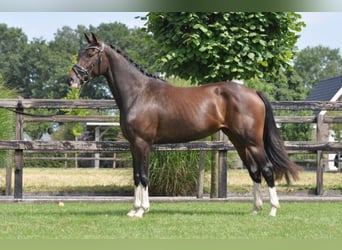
(21, 107)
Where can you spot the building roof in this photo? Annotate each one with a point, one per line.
(326, 90)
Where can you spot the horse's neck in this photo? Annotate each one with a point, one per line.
(124, 80)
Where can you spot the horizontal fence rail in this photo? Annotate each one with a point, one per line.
(110, 104)
(107, 146)
(57, 104)
(122, 146)
(23, 107)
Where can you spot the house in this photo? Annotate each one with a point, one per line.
(327, 90)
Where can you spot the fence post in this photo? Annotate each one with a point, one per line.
(19, 153)
(97, 155)
(200, 178)
(9, 163)
(222, 169)
(320, 165)
(222, 174)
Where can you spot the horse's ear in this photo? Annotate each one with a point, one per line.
(88, 38)
(94, 37)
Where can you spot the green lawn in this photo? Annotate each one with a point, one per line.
(193, 220)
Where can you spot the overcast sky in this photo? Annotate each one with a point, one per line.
(322, 27)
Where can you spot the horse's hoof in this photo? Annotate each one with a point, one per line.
(273, 212)
(132, 212)
(139, 213)
(254, 212)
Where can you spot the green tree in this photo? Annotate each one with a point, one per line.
(48, 65)
(46, 70)
(224, 46)
(290, 87)
(7, 124)
(314, 64)
(12, 43)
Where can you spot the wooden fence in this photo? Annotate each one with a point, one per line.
(22, 107)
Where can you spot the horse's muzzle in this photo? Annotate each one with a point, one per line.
(72, 83)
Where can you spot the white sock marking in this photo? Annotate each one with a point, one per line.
(274, 201)
(257, 197)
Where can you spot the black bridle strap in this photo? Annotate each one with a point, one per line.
(79, 69)
(86, 72)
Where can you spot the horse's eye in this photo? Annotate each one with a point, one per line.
(89, 55)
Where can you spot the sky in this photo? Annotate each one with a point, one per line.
(322, 27)
(45, 24)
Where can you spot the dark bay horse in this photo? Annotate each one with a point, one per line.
(152, 111)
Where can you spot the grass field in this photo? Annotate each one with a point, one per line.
(120, 180)
(180, 220)
(195, 220)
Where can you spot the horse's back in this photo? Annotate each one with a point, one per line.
(183, 114)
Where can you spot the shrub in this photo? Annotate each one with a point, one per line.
(173, 173)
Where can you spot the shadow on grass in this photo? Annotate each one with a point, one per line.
(197, 212)
(67, 210)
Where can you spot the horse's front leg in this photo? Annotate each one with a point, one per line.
(141, 160)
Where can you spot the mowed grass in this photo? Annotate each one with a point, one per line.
(181, 220)
(121, 180)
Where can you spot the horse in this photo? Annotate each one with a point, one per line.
(153, 111)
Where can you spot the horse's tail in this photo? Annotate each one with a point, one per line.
(274, 147)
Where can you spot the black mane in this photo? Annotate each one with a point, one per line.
(137, 66)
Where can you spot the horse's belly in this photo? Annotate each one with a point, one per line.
(175, 132)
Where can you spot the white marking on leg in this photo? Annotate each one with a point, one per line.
(139, 213)
(257, 197)
(274, 201)
(138, 194)
(145, 203)
(132, 212)
(141, 202)
(136, 202)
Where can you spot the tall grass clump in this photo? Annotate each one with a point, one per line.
(173, 173)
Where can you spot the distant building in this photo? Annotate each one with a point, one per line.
(329, 90)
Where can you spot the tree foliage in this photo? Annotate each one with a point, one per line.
(314, 64)
(13, 41)
(7, 122)
(39, 68)
(224, 46)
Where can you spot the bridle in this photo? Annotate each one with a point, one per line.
(84, 74)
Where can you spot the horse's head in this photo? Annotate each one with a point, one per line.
(90, 63)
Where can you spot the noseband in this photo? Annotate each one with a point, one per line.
(84, 74)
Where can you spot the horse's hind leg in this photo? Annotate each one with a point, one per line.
(256, 161)
(255, 174)
(260, 165)
(257, 195)
(267, 173)
(249, 157)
